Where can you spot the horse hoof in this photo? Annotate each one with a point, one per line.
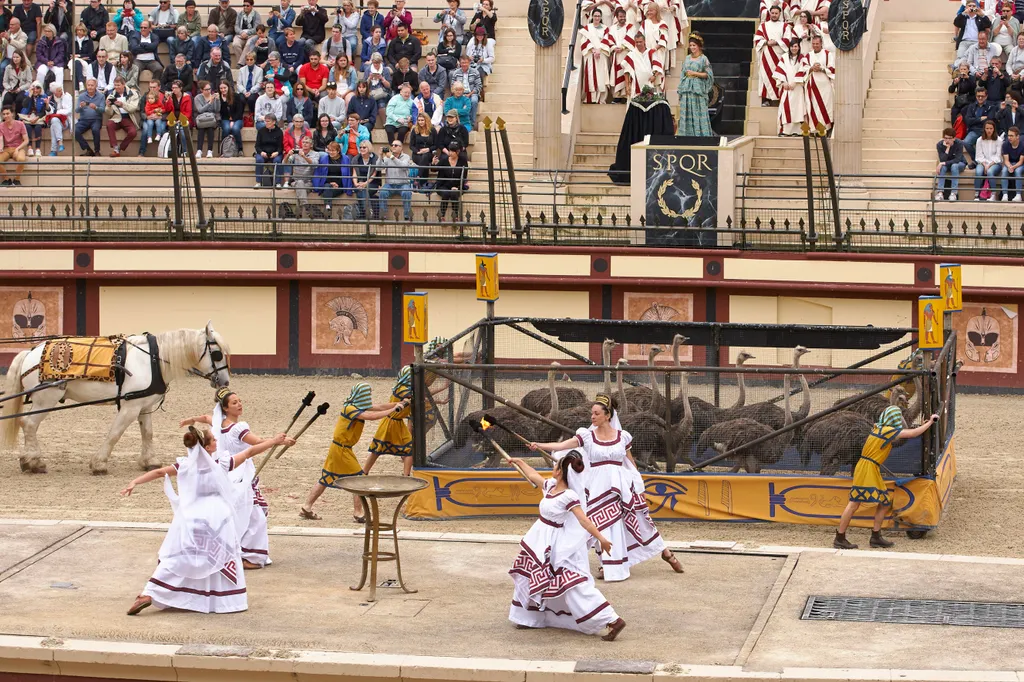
(24, 465)
(99, 471)
(150, 467)
(39, 469)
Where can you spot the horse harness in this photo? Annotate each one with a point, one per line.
(157, 385)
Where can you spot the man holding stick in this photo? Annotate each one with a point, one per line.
(393, 436)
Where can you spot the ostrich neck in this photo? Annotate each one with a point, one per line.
(915, 407)
(554, 392)
(684, 391)
(741, 399)
(786, 438)
(623, 406)
(606, 358)
(805, 406)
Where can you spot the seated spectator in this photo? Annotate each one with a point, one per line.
(268, 104)
(224, 17)
(259, 45)
(363, 106)
(434, 75)
(487, 17)
(345, 78)
(164, 20)
(1005, 29)
(989, 163)
(58, 117)
(293, 134)
(281, 17)
(452, 132)
(461, 105)
(85, 54)
(123, 107)
(215, 70)
(314, 76)
(31, 19)
(378, 78)
(113, 43)
(249, 82)
(452, 18)
(16, 40)
(423, 146)
(472, 84)
(951, 163)
(246, 22)
(280, 75)
(448, 52)
(335, 46)
(334, 178)
(352, 135)
(451, 171)
(366, 180)
(269, 150)
(204, 47)
(404, 45)
(429, 105)
(206, 109)
(313, 20)
(153, 124)
(968, 26)
(302, 161)
(292, 52)
(51, 57)
(399, 115)
(90, 116)
(371, 18)
(128, 70)
(33, 115)
(975, 115)
(192, 22)
(1013, 161)
(403, 74)
(962, 88)
(332, 106)
(398, 16)
(15, 143)
(300, 105)
(104, 71)
(995, 81)
(181, 44)
(143, 46)
(375, 45)
(17, 82)
(980, 56)
(128, 19)
(1010, 114)
(232, 114)
(181, 70)
(347, 20)
(481, 52)
(324, 134)
(95, 18)
(396, 164)
(178, 104)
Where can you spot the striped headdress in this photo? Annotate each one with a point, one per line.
(434, 344)
(403, 386)
(360, 397)
(891, 417)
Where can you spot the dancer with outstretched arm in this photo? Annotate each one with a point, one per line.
(553, 585)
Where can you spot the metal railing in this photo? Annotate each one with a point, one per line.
(570, 60)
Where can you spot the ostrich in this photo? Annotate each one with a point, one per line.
(729, 435)
(681, 432)
(707, 413)
(838, 437)
(872, 406)
(520, 423)
(539, 400)
(646, 427)
(769, 413)
(645, 398)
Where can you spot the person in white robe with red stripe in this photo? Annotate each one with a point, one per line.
(595, 49)
(622, 33)
(200, 561)
(791, 75)
(817, 8)
(655, 30)
(770, 40)
(821, 74)
(641, 68)
(673, 15)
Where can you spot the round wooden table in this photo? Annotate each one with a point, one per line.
(369, 489)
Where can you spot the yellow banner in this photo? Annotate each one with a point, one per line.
(929, 322)
(487, 277)
(949, 282)
(414, 319)
(806, 499)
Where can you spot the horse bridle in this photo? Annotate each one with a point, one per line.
(216, 354)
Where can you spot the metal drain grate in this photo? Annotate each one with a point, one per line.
(915, 611)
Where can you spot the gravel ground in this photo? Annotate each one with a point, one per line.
(985, 498)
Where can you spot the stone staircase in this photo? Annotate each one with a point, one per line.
(509, 92)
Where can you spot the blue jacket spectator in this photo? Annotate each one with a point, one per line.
(122, 22)
(364, 105)
(204, 46)
(293, 56)
(343, 138)
(975, 114)
(371, 17)
(369, 47)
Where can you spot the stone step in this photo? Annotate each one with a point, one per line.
(897, 122)
(896, 155)
(604, 149)
(899, 69)
(582, 160)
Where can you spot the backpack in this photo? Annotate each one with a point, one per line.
(228, 147)
(959, 127)
(164, 150)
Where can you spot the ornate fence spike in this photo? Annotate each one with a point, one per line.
(800, 224)
(757, 222)
(25, 210)
(543, 219)
(598, 219)
(863, 224)
(138, 211)
(771, 223)
(963, 227)
(978, 228)
(124, 210)
(849, 225)
(892, 225)
(613, 220)
(878, 225)
(96, 210)
(995, 230)
(529, 218)
(554, 216)
(906, 225)
(152, 210)
(629, 221)
(67, 210)
(920, 226)
(786, 225)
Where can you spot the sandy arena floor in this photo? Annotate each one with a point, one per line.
(986, 498)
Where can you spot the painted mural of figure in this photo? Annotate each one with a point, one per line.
(485, 280)
(929, 323)
(951, 290)
(29, 318)
(982, 332)
(412, 319)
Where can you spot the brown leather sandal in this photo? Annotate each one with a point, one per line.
(250, 566)
(141, 602)
(672, 561)
(309, 514)
(613, 630)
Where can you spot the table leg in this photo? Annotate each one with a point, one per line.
(375, 520)
(366, 544)
(398, 559)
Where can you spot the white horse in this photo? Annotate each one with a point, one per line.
(181, 352)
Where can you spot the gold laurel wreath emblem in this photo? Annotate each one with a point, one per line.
(688, 213)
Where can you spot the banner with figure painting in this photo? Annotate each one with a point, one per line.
(656, 307)
(32, 312)
(682, 196)
(987, 337)
(346, 321)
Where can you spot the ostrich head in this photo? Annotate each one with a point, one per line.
(799, 352)
(719, 448)
(898, 397)
(743, 356)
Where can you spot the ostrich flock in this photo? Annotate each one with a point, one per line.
(686, 428)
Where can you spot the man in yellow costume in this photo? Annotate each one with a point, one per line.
(868, 485)
(393, 436)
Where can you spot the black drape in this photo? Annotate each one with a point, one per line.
(641, 120)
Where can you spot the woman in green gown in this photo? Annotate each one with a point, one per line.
(694, 86)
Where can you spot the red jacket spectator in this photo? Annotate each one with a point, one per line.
(182, 106)
(393, 18)
(290, 142)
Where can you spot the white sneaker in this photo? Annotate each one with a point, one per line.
(151, 140)
(977, 197)
(209, 153)
(257, 186)
(952, 196)
(994, 197)
(286, 185)
(1006, 196)
(1017, 198)
(938, 196)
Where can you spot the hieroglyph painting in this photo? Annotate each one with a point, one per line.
(987, 337)
(346, 321)
(663, 307)
(32, 312)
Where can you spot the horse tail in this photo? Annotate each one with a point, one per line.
(12, 407)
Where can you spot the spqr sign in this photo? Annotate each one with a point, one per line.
(544, 18)
(846, 23)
